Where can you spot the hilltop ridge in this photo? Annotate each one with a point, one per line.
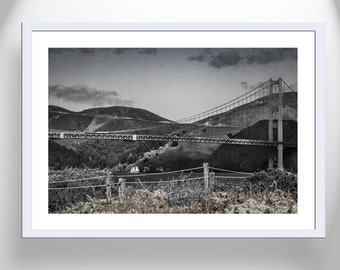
(126, 112)
(104, 119)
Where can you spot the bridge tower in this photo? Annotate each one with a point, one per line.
(275, 125)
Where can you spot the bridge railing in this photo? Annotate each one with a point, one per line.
(140, 137)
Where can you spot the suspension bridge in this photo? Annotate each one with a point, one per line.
(271, 90)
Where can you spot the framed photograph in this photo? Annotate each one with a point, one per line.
(173, 130)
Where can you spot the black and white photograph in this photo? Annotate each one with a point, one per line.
(149, 130)
(170, 134)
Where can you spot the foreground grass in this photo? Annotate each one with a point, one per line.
(265, 192)
(143, 202)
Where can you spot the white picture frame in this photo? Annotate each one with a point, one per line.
(307, 37)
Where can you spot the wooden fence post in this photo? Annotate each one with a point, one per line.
(121, 188)
(108, 187)
(211, 181)
(206, 176)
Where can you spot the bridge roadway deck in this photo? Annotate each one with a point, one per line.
(139, 137)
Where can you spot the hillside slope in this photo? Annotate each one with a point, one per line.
(60, 157)
(255, 158)
(102, 119)
(126, 112)
(232, 157)
(250, 113)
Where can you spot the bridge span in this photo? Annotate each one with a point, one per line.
(139, 137)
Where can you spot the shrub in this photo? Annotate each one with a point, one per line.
(174, 144)
(271, 180)
(62, 194)
(266, 192)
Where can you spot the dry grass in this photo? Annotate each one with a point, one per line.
(137, 201)
(272, 192)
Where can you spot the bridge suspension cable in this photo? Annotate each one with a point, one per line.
(258, 92)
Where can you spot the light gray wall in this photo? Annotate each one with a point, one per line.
(161, 254)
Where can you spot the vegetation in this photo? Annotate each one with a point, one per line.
(60, 196)
(98, 153)
(255, 158)
(60, 157)
(69, 121)
(175, 159)
(121, 111)
(270, 192)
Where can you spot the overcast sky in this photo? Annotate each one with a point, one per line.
(173, 83)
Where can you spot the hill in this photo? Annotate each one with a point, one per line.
(250, 113)
(60, 157)
(68, 121)
(52, 108)
(233, 157)
(102, 119)
(255, 158)
(125, 112)
(98, 153)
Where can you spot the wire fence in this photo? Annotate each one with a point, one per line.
(78, 180)
(177, 185)
(63, 188)
(229, 171)
(182, 178)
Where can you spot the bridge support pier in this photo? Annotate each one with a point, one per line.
(270, 123)
(280, 129)
(280, 157)
(275, 112)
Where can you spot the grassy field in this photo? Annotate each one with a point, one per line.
(271, 192)
(139, 201)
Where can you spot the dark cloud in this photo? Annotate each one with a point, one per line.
(266, 56)
(83, 51)
(205, 54)
(151, 51)
(86, 95)
(234, 57)
(93, 51)
(120, 51)
(245, 85)
(86, 51)
(248, 86)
